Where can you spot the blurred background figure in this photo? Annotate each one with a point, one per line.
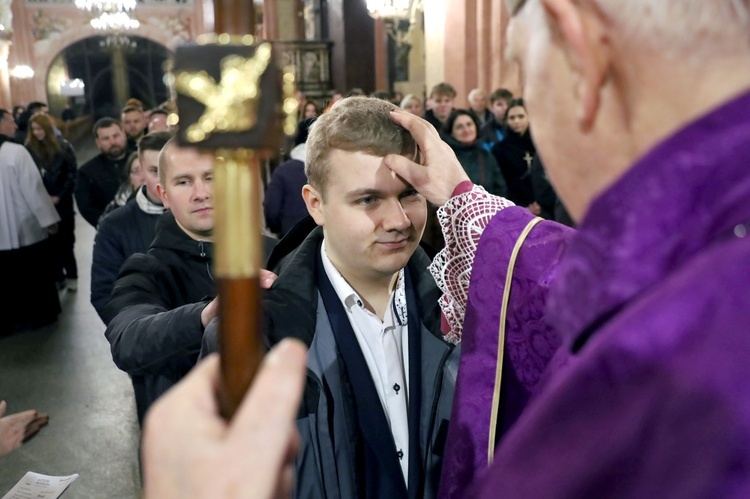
(157, 121)
(413, 104)
(442, 96)
(27, 216)
(461, 134)
(301, 102)
(56, 161)
(133, 124)
(283, 205)
(134, 178)
(515, 154)
(478, 104)
(311, 110)
(495, 130)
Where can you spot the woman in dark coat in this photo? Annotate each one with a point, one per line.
(461, 133)
(56, 160)
(515, 154)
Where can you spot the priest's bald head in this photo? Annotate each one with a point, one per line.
(619, 76)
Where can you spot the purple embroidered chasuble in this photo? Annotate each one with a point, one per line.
(651, 301)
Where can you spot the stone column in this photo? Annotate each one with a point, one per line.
(5, 99)
(465, 42)
(236, 17)
(120, 76)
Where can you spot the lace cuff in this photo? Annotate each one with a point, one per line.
(462, 219)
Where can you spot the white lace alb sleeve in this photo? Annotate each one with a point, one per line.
(462, 219)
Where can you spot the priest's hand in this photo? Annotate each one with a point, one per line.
(440, 172)
(189, 451)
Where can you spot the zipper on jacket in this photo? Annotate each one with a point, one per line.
(202, 247)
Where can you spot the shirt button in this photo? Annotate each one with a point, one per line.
(396, 387)
(359, 302)
(400, 454)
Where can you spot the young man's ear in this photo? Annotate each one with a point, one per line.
(162, 195)
(314, 203)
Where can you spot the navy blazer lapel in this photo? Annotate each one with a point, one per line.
(416, 482)
(373, 425)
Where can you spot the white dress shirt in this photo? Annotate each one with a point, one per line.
(385, 347)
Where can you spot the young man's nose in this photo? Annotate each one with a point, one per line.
(395, 217)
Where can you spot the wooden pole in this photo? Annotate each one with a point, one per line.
(236, 17)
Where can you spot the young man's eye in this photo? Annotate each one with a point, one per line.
(409, 193)
(366, 200)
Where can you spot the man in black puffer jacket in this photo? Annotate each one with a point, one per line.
(160, 302)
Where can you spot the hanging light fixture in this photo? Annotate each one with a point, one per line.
(22, 72)
(118, 21)
(106, 5)
(388, 9)
(118, 40)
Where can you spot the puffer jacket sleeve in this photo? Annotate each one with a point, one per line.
(147, 335)
(108, 257)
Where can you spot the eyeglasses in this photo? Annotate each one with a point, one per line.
(514, 6)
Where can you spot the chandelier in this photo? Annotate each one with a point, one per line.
(118, 40)
(106, 5)
(118, 21)
(388, 9)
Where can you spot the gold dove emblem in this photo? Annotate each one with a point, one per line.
(232, 104)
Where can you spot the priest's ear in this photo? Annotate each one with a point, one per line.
(585, 38)
(315, 204)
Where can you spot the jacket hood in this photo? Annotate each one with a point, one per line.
(170, 236)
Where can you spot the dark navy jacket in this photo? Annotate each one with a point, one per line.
(123, 232)
(339, 457)
(283, 205)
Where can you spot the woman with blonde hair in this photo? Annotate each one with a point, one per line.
(56, 160)
(413, 104)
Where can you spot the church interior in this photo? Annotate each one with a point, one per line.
(64, 54)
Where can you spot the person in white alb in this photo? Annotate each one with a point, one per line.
(27, 217)
(357, 291)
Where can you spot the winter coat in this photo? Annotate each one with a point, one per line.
(124, 232)
(156, 330)
(329, 462)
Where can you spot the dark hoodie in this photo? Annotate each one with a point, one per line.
(156, 303)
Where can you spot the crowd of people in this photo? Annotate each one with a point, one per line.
(527, 358)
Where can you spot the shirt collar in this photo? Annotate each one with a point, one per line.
(350, 298)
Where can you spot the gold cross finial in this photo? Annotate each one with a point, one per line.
(231, 104)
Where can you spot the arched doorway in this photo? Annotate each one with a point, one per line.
(113, 70)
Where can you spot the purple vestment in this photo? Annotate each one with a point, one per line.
(652, 297)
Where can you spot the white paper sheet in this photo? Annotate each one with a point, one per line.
(38, 486)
